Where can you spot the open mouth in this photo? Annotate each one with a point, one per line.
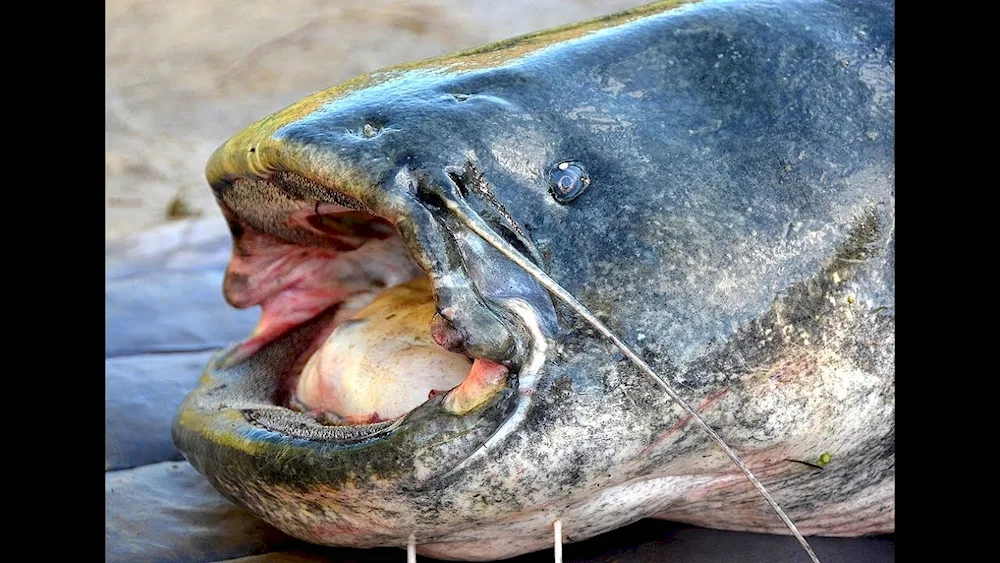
(382, 347)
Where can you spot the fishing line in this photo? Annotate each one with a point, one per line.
(469, 217)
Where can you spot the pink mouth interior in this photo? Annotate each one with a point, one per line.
(356, 258)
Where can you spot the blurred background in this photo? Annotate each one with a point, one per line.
(182, 76)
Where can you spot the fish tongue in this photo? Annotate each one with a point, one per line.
(381, 363)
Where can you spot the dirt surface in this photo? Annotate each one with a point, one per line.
(182, 76)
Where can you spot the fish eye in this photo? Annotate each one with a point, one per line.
(568, 180)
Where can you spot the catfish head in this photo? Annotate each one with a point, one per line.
(411, 376)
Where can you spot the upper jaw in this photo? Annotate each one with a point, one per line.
(472, 281)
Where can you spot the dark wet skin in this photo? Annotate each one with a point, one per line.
(738, 228)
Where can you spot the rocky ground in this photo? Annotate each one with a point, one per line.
(182, 76)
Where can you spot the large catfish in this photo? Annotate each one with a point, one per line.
(713, 182)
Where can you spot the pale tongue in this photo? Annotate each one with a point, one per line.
(382, 363)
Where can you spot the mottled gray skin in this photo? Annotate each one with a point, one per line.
(738, 231)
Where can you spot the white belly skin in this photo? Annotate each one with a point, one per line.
(625, 504)
(674, 474)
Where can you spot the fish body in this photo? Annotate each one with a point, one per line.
(714, 181)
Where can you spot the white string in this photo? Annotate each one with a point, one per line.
(557, 542)
(411, 550)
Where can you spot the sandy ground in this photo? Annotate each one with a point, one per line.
(184, 75)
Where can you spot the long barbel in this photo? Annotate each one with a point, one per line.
(471, 219)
